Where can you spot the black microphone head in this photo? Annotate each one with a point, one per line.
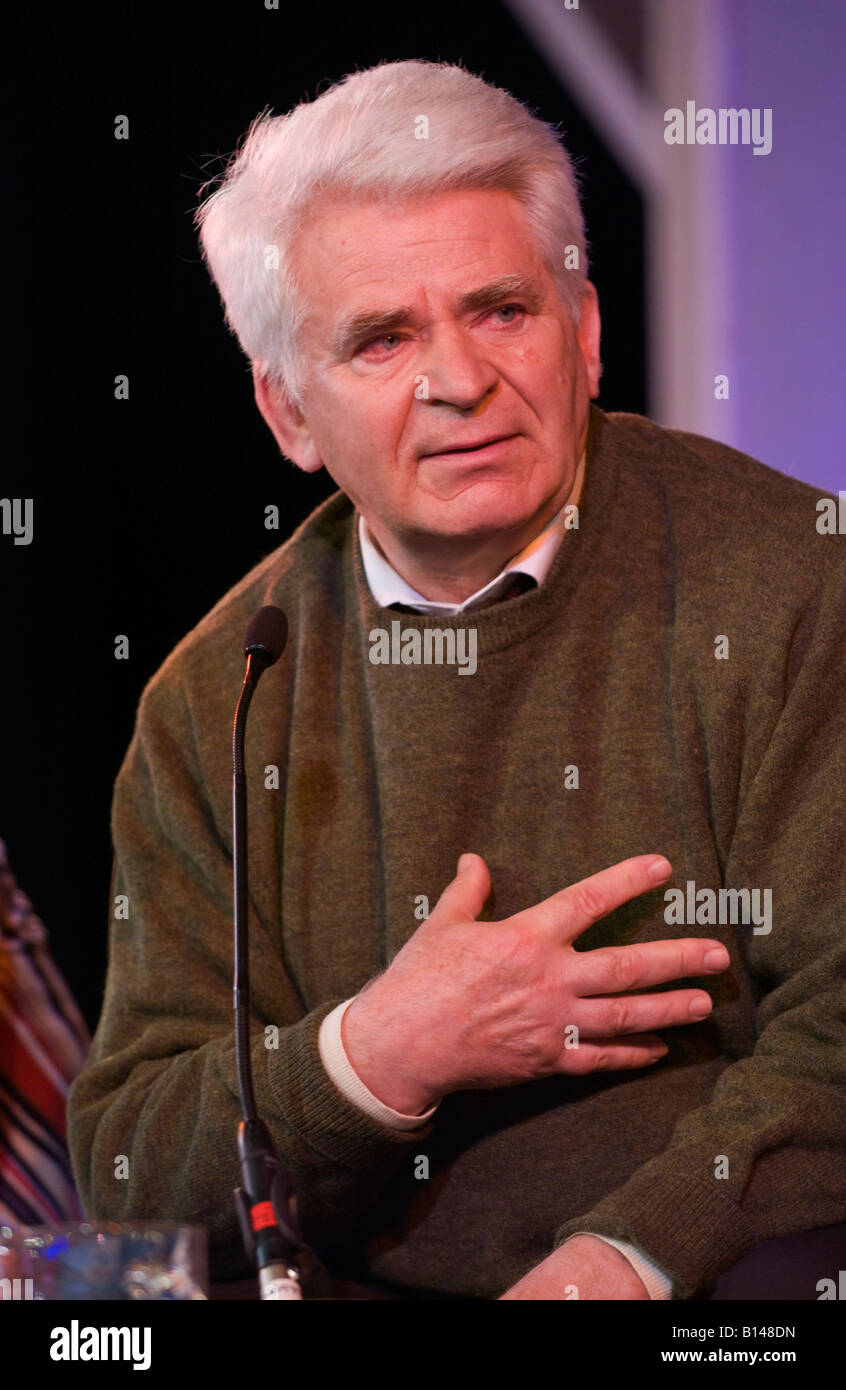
(267, 633)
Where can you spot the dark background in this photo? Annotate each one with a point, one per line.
(146, 511)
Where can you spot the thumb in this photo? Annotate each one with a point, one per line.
(464, 898)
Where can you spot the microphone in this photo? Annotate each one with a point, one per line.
(266, 638)
(265, 1202)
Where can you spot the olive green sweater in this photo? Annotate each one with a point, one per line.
(685, 654)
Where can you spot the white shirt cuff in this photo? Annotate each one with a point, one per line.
(349, 1083)
(658, 1284)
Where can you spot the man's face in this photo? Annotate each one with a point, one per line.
(478, 347)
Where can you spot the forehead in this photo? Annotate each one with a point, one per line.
(370, 255)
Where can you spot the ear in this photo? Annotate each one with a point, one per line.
(590, 330)
(285, 421)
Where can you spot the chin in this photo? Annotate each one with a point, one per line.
(485, 512)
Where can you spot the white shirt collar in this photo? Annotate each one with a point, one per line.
(388, 587)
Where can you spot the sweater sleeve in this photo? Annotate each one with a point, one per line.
(767, 1155)
(152, 1118)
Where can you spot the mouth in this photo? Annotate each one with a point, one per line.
(482, 446)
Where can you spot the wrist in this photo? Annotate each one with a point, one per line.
(607, 1260)
(376, 1054)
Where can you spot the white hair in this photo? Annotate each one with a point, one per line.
(360, 141)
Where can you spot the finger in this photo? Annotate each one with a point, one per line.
(464, 897)
(572, 910)
(604, 1016)
(611, 969)
(610, 1054)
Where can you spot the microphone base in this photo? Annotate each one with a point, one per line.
(279, 1283)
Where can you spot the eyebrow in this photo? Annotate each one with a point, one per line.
(370, 323)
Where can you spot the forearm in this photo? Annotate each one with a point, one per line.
(763, 1158)
(160, 1142)
(160, 1085)
(653, 1280)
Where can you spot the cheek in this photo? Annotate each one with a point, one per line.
(542, 379)
(375, 403)
(364, 432)
(382, 413)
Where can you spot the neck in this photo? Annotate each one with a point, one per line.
(448, 569)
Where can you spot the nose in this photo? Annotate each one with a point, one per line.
(457, 371)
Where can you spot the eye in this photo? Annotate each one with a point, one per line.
(386, 338)
(514, 309)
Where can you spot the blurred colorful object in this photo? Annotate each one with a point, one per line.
(43, 1044)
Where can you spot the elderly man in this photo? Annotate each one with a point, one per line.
(505, 1078)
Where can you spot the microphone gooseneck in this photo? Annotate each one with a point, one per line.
(265, 1201)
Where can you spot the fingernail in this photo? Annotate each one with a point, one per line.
(656, 1053)
(659, 869)
(700, 1008)
(717, 958)
(463, 862)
